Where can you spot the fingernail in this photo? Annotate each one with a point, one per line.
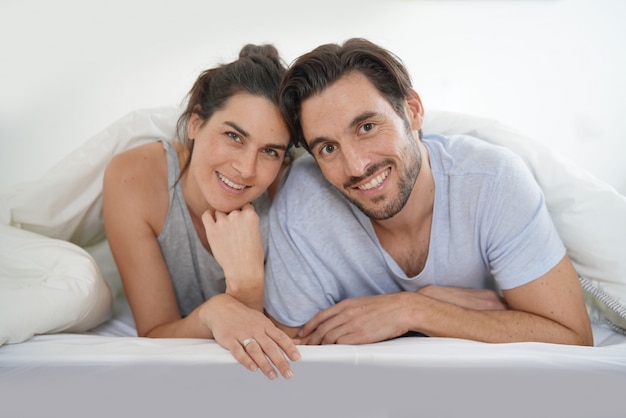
(273, 375)
(295, 356)
(253, 367)
(289, 375)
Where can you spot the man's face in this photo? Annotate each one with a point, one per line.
(363, 147)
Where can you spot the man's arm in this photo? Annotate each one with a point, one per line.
(549, 309)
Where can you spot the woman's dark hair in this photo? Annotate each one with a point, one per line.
(316, 70)
(258, 71)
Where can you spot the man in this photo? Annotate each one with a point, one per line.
(382, 232)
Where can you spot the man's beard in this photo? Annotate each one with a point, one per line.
(411, 164)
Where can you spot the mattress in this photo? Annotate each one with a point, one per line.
(109, 371)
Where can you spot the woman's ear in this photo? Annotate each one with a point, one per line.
(415, 110)
(194, 125)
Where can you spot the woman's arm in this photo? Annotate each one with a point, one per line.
(135, 203)
(236, 243)
(134, 207)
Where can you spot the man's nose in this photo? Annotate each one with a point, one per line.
(356, 159)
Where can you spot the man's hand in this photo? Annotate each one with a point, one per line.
(378, 318)
(359, 321)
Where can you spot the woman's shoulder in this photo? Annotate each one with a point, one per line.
(137, 165)
(137, 180)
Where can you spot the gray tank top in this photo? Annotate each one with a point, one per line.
(195, 274)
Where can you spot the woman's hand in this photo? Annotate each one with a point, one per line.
(251, 337)
(237, 245)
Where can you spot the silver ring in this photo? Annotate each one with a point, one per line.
(247, 341)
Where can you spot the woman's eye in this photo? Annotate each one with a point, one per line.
(233, 136)
(271, 152)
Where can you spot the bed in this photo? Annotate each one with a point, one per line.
(68, 345)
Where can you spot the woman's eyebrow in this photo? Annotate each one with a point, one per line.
(237, 128)
(245, 133)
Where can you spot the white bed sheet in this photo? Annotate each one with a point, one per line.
(111, 372)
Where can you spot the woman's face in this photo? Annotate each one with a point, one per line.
(237, 153)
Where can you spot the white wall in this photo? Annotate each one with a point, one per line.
(553, 68)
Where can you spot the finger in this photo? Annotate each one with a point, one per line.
(277, 357)
(247, 208)
(327, 320)
(255, 351)
(220, 216)
(249, 214)
(314, 323)
(323, 334)
(334, 334)
(286, 344)
(346, 334)
(242, 357)
(208, 218)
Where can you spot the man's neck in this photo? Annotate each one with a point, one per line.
(406, 236)
(418, 208)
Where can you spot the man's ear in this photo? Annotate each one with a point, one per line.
(415, 110)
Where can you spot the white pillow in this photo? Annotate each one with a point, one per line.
(589, 214)
(47, 285)
(55, 263)
(66, 202)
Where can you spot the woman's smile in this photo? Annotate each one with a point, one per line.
(230, 185)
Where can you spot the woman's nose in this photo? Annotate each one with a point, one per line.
(246, 164)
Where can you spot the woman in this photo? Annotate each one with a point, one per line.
(185, 219)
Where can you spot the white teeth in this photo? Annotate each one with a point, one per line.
(230, 183)
(375, 182)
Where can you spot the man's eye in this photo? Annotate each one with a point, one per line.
(366, 127)
(327, 149)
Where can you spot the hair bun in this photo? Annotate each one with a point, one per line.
(262, 54)
(266, 50)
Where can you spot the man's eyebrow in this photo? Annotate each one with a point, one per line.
(355, 121)
(362, 117)
(316, 141)
(245, 133)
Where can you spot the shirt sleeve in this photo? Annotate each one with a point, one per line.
(294, 292)
(522, 243)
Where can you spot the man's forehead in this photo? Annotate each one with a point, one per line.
(350, 95)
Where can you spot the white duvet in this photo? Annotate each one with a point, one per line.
(57, 274)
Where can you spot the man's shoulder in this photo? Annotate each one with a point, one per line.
(467, 154)
(304, 176)
(303, 184)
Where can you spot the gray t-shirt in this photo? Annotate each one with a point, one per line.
(196, 275)
(490, 229)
